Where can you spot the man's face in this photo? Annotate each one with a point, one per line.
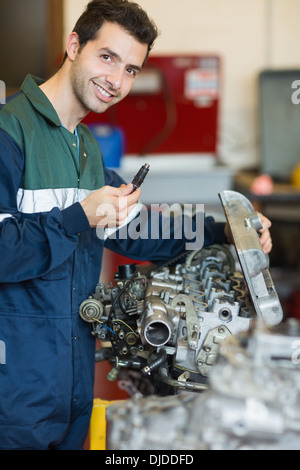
(103, 73)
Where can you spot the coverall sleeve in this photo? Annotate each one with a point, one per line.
(31, 245)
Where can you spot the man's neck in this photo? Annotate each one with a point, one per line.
(59, 91)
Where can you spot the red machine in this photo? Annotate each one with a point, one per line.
(173, 107)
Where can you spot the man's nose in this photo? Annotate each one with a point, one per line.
(115, 78)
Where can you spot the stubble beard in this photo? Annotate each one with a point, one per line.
(83, 91)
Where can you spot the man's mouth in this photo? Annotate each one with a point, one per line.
(102, 91)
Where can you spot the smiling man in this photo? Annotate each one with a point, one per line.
(54, 194)
(96, 76)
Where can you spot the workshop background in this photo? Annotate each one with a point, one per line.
(222, 79)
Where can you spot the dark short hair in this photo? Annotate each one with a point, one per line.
(125, 13)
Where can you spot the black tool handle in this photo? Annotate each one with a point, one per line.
(140, 177)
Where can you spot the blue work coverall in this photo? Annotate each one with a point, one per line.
(50, 261)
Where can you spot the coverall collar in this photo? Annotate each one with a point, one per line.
(38, 99)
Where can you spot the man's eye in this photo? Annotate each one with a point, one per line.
(106, 57)
(132, 72)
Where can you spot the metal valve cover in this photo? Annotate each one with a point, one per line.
(244, 224)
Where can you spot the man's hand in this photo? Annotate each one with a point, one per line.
(109, 207)
(265, 238)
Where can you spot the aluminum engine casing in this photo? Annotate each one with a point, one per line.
(169, 323)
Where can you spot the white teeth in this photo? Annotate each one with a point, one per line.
(108, 95)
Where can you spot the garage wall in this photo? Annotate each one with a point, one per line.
(249, 35)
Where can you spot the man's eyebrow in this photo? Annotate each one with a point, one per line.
(107, 50)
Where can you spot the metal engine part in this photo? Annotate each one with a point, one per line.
(245, 223)
(168, 323)
(253, 402)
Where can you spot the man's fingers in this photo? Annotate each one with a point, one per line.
(266, 223)
(110, 206)
(265, 238)
(126, 189)
(123, 191)
(134, 197)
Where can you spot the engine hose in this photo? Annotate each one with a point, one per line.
(103, 354)
(146, 371)
(194, 387)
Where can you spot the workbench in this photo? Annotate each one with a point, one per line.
(283, 193)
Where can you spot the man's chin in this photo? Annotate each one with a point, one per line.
(100, 108)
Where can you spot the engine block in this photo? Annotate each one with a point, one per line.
(169, 323)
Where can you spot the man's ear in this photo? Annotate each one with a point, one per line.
(72, 46)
